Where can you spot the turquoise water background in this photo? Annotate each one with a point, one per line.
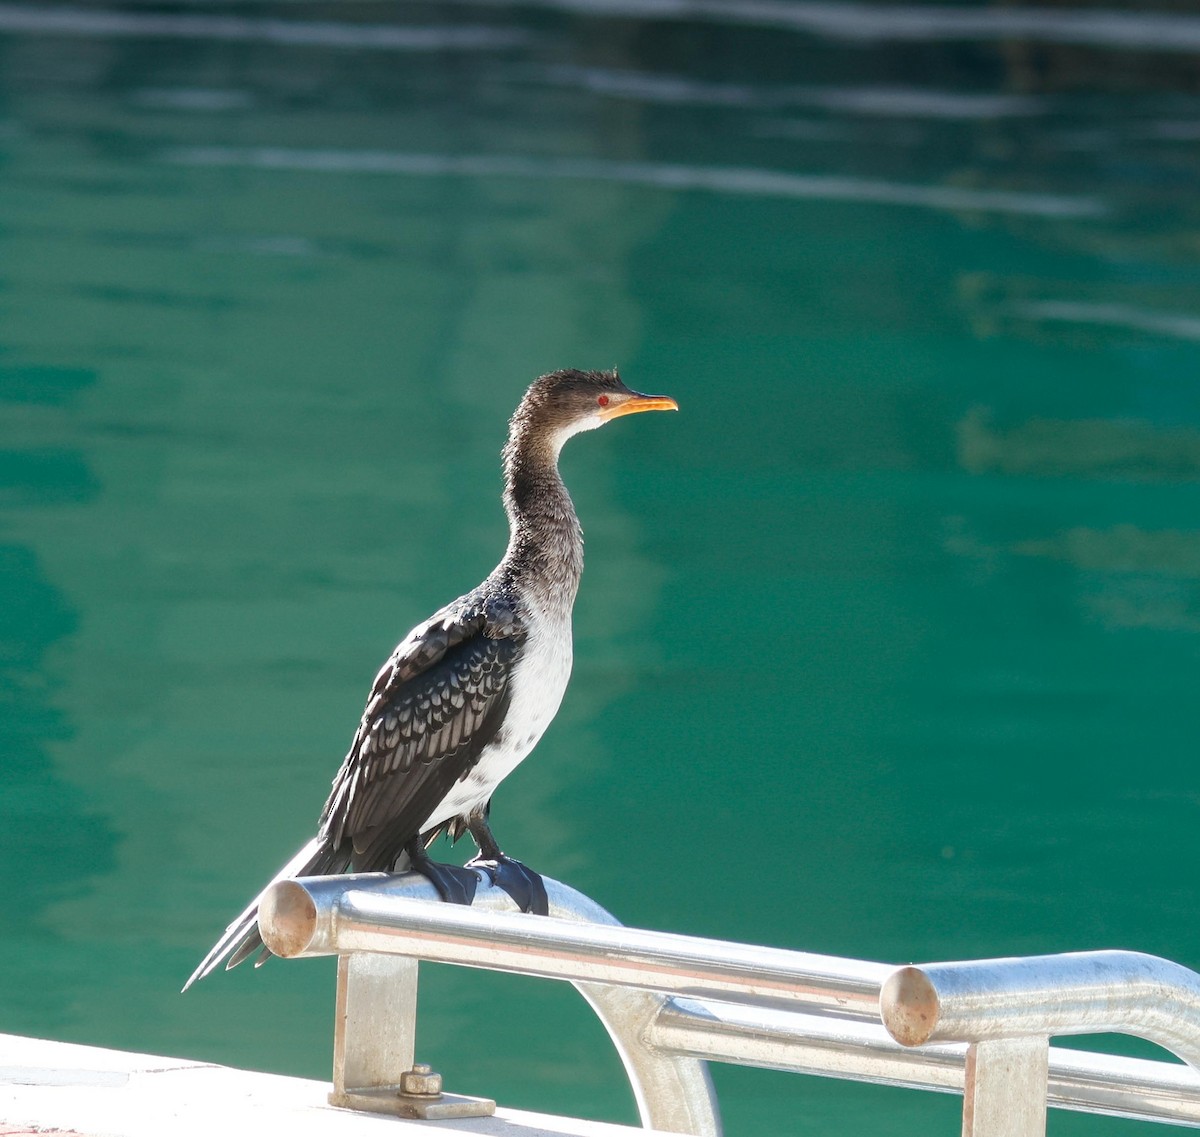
(887, 644)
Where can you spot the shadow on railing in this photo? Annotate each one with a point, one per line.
(671, 1001)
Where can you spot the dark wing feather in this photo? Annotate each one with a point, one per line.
(436, 703)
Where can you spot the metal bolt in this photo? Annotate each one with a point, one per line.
(421, 1082)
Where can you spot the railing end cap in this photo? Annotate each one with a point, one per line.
(909, 1006)
(287, 918)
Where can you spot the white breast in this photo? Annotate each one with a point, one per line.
(537, 684)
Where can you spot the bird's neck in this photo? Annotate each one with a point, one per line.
(545, 547)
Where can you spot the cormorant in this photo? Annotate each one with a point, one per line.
(466, 695)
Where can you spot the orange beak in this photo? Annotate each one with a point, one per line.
(639, 403)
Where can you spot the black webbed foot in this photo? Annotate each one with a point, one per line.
(526, 888)
(454, 885)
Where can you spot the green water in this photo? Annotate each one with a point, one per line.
(887, 644)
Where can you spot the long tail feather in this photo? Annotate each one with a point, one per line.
(241, 939)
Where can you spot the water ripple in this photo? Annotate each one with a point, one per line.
(24, 18)
(890, 102)
(717, 179)
(1175, 324)
(1097, 27)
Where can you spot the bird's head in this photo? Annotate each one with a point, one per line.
(563, 403)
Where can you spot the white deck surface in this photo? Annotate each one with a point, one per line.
(111, 1093)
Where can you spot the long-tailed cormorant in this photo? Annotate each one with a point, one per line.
(467, 694)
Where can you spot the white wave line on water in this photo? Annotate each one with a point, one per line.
(878, 101)
(915, 102)
(1187, 131)
(100, 22)
(646, 87)
(1096, 27)
(1174, 324)
(717, 179)
(202, 99)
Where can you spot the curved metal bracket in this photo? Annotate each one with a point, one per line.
(1087, 992)
(1008, 1009)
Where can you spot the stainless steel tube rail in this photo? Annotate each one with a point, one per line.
(736, 1003)
(320, 916)
(1133, 1088)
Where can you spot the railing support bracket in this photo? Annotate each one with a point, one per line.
(1005, 1090)
(374, 1040)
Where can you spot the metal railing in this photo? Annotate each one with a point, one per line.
(672, 1002)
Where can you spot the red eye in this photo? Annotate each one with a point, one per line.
(602, 400)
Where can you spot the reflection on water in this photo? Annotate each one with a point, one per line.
(1114, 315)
(1122, 549)
(54, 842)
(903, 604)
(1134, 578)
(1101, 448)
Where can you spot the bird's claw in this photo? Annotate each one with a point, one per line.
(526, 888)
